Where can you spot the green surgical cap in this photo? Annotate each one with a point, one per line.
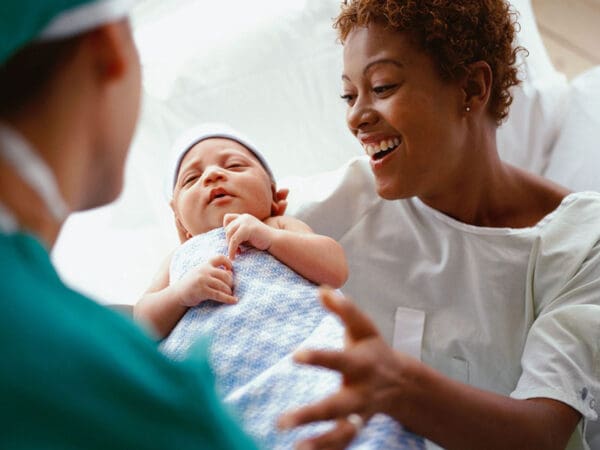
(22, 21)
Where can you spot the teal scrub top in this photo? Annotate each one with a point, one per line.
(75, 375)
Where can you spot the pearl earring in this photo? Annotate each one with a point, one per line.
(467, 108)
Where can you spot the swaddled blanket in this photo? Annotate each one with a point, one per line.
(251, 345)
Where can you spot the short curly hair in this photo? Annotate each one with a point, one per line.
(455, 33)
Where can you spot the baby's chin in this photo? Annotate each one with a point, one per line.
(215, 222)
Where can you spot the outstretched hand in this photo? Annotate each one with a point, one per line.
(370, 370)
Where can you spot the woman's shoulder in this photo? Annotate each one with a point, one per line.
(577, 212)
(568, 245)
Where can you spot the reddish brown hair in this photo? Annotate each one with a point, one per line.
(455, 33)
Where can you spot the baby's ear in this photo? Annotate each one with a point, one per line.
(183, 234)
(280, 203)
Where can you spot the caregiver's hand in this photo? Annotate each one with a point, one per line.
(372, 377)
(281, 202)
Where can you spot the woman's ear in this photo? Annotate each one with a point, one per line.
(279, 204)
(477, 86)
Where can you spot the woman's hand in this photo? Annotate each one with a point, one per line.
(246, 229)
(377, 379)
(209, 281)
(371, 370)
(280, 202)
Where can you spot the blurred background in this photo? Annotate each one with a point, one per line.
(271, 69)
(570, 30)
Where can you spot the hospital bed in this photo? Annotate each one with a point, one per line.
(272, 70)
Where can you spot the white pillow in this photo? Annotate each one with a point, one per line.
(535, 116)
(575, 160)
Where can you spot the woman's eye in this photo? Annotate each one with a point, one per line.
(383, 89)
(348, 98)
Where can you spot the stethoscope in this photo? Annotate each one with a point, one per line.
(34, 171)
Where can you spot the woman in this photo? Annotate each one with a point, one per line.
(74, 374)
(501, 266)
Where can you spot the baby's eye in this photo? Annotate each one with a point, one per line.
(190, 179)
(235, 165)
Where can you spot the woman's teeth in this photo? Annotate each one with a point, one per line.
(377, 151)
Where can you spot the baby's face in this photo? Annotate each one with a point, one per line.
(219, 176)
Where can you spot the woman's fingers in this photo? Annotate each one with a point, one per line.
(280, 202)
(337, 438)
(358, 325)
(335, 407)
(330, 359)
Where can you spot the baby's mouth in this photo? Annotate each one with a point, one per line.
(384, 148)
(217, 193)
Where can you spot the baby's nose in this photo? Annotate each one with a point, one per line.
(213, 173)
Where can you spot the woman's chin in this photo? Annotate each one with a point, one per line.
(388, 192)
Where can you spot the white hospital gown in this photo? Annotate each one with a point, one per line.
(512, 311)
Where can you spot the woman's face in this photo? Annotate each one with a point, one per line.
(409, 120)
(219, 176)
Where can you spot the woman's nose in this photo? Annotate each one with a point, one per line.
(360, 115)
(212, 174)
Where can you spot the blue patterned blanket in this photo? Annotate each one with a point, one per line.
(251, 345)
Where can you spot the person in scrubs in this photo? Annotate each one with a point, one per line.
(75, 374)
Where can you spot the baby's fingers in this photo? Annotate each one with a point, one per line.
(235, 240)
(228, 218)
(221, 261)
(224, 276)
(222, 297)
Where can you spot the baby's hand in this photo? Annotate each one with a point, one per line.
(246, 229)
(210, 281)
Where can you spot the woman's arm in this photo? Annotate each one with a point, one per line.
(378, 379)
(163, 304)
(318, 258)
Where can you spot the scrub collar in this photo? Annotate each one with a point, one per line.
(34, 171)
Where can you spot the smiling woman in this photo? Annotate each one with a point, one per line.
(480, 237)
